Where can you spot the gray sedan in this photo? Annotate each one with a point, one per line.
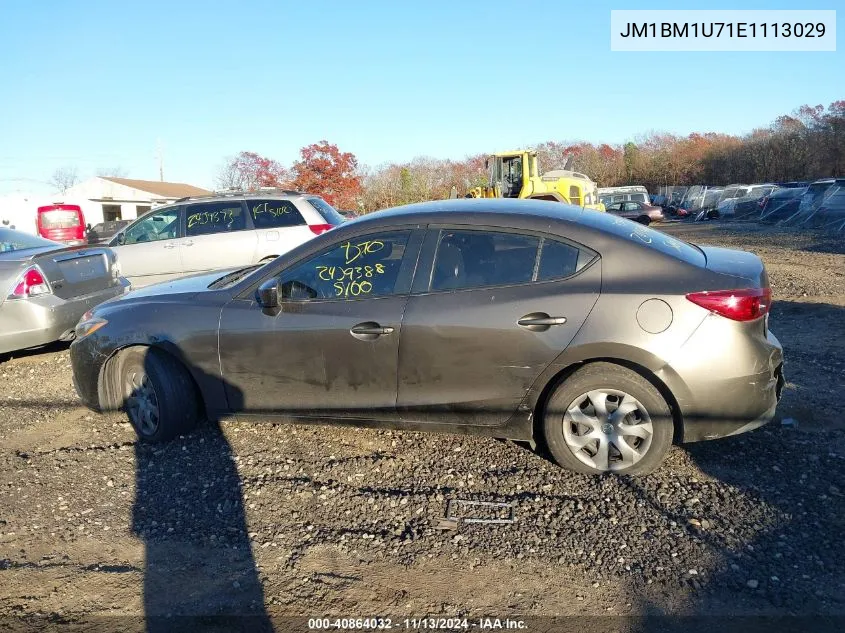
(520, 319)
(45, 287)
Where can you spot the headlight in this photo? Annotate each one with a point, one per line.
(88, 324)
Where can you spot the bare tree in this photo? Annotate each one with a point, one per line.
(112, 172)
(248, 171)
(64, 178)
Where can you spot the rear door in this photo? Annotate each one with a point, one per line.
(279, 226)
(151, 247)
(490, 309)
(217, 235)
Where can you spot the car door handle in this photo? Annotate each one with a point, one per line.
(171, 246)
(190, 243)
(369, 331)
(539, 321)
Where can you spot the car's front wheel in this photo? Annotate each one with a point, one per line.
(157, 393)
(608, 418)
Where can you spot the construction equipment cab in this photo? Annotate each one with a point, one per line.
(517, 175)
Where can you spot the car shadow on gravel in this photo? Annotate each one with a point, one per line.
(35, 352)
(776, 555)
(199, 572)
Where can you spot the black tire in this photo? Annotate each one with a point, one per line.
(173, 390)
(598, 376)
(644, 219)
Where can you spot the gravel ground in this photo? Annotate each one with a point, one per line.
(312, 520)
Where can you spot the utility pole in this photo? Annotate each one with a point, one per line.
(160, 158)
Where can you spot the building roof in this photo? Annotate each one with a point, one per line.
(163, 189)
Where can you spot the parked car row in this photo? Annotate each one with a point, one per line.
(518, 319)
(45, 287)
(51, 285)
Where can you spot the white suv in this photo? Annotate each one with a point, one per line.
(195, 235)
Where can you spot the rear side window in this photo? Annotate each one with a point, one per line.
(559, 260)
(329, 213)
(274, 214)
(475, 259)
(215, 217)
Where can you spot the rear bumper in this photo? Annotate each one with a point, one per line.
(708, 428)
(26, 323)
(727, 380)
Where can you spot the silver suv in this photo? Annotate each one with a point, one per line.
(195, 235)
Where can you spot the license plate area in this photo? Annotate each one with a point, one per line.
(81, 270)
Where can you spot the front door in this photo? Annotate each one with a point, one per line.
(496, 310)
(333, 349)
(150, 249)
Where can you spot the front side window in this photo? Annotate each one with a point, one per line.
(273, 214)
(512, 177)
(475, 259)
(162, 225)
(214, 217)
(575, 195)
(366, 266)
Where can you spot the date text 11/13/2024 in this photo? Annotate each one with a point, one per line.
(417, 624)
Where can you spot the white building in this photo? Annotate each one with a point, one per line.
(104, 198)
(100, 199)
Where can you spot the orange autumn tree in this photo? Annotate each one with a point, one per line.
(330, 173)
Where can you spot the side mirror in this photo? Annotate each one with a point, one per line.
(121, 238)
(268, 297)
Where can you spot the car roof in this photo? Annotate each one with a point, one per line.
(473, 211)
(282, 194)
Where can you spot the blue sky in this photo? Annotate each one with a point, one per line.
(96, 84)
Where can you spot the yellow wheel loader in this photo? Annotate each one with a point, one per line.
(516, 175)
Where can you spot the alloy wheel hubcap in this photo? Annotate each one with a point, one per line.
(607, 429)
(142, 402)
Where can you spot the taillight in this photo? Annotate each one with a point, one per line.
(745, 304)
(319, 229)
(31, 283)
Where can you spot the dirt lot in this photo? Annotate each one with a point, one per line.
(308, 520)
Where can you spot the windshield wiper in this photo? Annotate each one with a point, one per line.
(232, 277)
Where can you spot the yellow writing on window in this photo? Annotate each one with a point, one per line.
(211, 217)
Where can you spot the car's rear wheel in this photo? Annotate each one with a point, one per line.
(644, 219)
(608, 418)
(158, 395)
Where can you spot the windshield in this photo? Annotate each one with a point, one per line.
(16, 241)
(641, 234)
(59, 219)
